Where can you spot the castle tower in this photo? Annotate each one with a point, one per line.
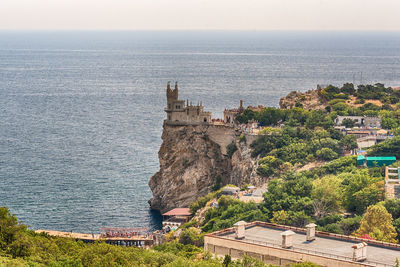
(241, 108)
(179, 114)
(172, 95)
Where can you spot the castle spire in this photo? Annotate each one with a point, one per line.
(176, 85)
(169, 85)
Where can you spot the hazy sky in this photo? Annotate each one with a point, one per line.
(373, 15)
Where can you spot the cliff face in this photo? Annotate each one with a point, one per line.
(244, 167)
(191, 158)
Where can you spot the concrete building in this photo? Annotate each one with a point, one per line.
(180, 114)
(281, 245)
(361, 121)
(370, 140)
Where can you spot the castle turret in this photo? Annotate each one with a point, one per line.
(172, 95)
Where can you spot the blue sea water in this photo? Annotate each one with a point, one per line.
(81, 112)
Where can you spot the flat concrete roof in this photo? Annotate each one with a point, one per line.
(330, 246)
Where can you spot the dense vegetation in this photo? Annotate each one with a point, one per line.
(281, 148)
(22, 247)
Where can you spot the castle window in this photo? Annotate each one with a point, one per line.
(187, 111)
(205, 119)
(169, 117)
(169, 106)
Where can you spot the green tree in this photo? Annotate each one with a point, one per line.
(326, 153)
(377, 223)
(191, 236)
(270, 116)
(227, 260)
(10, 229)
(360, 190)
(230, 149)
(318, 118)
(326, 195)
(348, 88)
(342, 164)
(389, 122)
(247, 115)
(350, 225)
(268, 165)
(348, 123)
(393, 207)
(217, 185)
(280, 217)
(348, 142)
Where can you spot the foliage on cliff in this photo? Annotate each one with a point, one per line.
(281, 148)
(375, 96)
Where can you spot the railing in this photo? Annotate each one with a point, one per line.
(312, 252)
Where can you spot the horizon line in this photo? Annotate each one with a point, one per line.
(196, 30)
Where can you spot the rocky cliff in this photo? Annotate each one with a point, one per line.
(192, 157)
(309, 100)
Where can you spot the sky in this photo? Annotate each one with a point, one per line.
(308, 15)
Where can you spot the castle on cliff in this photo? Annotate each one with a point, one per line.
(180, 114)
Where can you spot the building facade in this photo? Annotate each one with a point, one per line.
(179, 113)
(361, 121)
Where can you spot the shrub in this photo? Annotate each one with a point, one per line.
(217, 185)
(329, 219)
(332, 228)
(326, 154)
(230, 149)
(348, 123)
(202, 201)
(350, 225)
(191, 236)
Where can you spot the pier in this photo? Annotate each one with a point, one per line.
(127, 237)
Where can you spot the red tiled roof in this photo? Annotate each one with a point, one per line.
(178, 212)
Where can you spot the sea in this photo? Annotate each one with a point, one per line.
(81, 112)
